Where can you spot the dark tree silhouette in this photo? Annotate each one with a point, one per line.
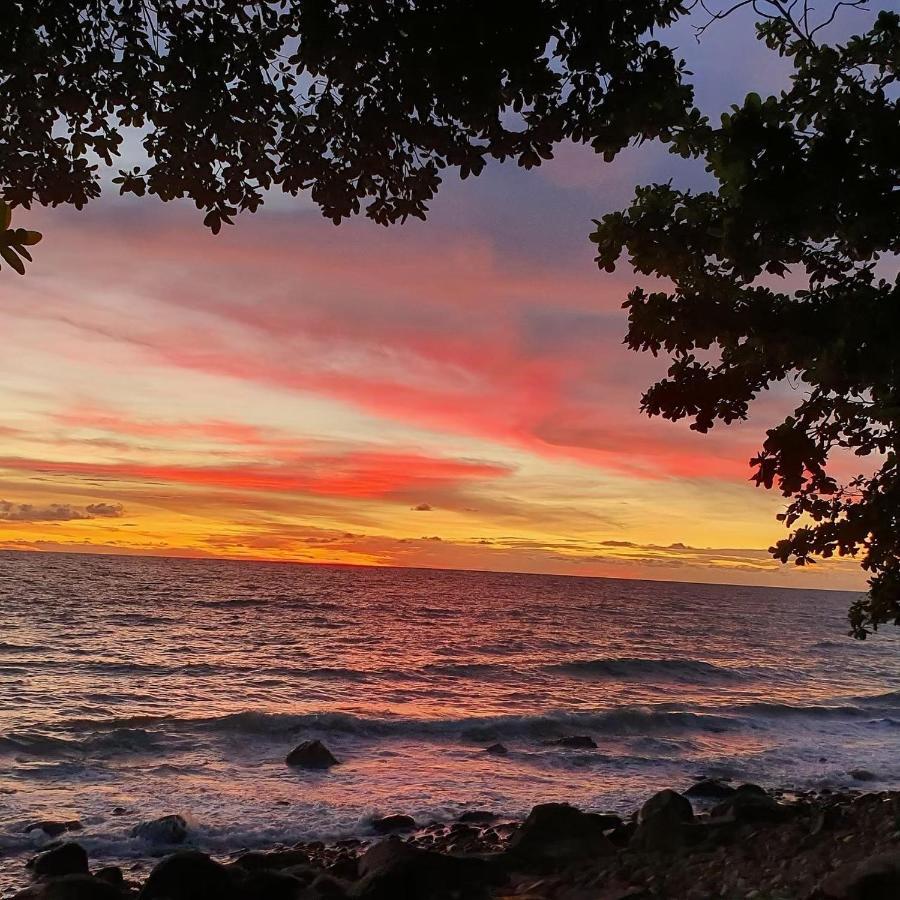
(788, 269)
(362, 104)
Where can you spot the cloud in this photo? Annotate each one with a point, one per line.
(423, 507)
(58, 512)
(359, 474)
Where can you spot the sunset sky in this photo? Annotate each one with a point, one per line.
(452, 393)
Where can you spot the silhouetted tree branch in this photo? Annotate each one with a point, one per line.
(789, 269)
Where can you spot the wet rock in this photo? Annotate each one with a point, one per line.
(393, 869)
(661, 822)
(862, 775)
(189, 875)
(383, 854)
(66, 859)
(576, 742)
(72, 887)
(311, 755)
(256, 861)
(393, 824)
(165, 830)
(749, 807)
(710, 789)
(327, 888)
(496, 750)
(876, 878)
(750, 788)
(477, 817)
(622, 834)
(557, 831)
(53, 828)
(269, 885)
(346, 868)
(111, 875)
(667, 803)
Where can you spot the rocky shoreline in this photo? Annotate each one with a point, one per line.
(714, 840)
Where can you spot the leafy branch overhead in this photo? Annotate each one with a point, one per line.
(364, 105)
(788, 269)
(14, 242)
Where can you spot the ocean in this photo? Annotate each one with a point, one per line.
(153, 686)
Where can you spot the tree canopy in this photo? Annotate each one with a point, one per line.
(780, 271)
(361, 104)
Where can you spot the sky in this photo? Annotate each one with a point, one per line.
(453, 393)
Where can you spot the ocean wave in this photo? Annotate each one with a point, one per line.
(115, 742)
(631, 668)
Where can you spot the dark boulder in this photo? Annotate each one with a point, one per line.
(311, 755)
(670, 804)
(256, 861)
(876, 878)
(72, 887)
(663, 822)
(393, 824)
(496, 750)
(710, 789)
(576, 742)
(189, 875)
(393, 869)
(749, 788)
(53, 828)
(862, 775)
(751, 808)
(477, 817)
(558, 832)
(270, 885)
(166, 830)
(65, 859)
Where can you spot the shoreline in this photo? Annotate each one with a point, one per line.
(723, 840)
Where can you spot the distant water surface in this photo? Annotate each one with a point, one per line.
(178, 686)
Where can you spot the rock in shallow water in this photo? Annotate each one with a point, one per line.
(53, 828)
(189, 875)
(164, 830)
(710, 789)
(66, 859)
(391, 824)
(497, 750)
(557, 831)
(311, 755)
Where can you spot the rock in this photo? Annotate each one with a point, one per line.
(392, 824)
(66, 859)
(189, 875)
(496, 750)
(661, 822)
(311, 755)
(876, 878)
(382, 854)
(862, 775)
(668, 803)
(622, 834)
(164, 830)
(393, 870)
(748, 788)
(327, 888)
(477, 817)
(53, 828)
(749, 807)
(111, 875)
(710, 789)
(557, 831)
(72, 887)
(269, 885)
(256, 861)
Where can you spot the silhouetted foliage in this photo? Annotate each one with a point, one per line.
(15, 241)
(774, 275)
(363, 104)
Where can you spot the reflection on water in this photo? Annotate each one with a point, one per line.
(179, 685)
